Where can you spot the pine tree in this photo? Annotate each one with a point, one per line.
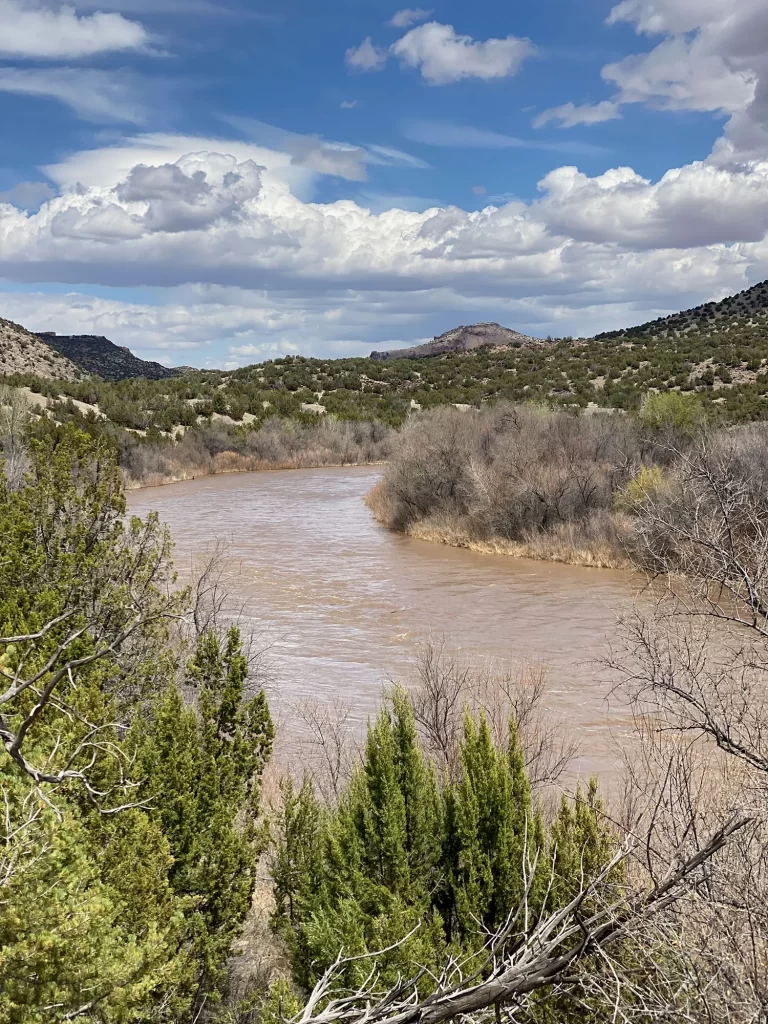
(380, 857)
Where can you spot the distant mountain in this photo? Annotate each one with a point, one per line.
(750, 303)
(24, 352)
(98, 355)
(465, 339)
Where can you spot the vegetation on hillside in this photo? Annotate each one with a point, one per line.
(98, 355)
(183, 424)
(24, 352)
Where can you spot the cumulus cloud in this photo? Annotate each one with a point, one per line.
(366, 57)
(409, 16)
(442, 56)
(712, 57)
(93, 94)
(213, 219)
(30, 30)
(569, 115)
(681, 74)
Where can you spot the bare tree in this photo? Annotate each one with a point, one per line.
(15, 415)
(446, 684)
(329, 746)
(693, 663)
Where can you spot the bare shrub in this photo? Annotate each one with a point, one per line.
(447, 684)
(276, 444)
(513, 474)
(695, 669)
(329, 746)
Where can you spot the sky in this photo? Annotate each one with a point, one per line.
(216, 184)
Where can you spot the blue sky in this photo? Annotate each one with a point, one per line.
(219, 183)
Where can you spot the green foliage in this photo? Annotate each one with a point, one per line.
(645, 484)
(130, 827)
(72, 936)
(673, 409)
(398, 850)
(493, 834)
(203, 771)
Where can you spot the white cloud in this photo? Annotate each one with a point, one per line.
(712, 57)
(366, 57)
(442, 56)
(340, 159)
(242, 259)
(409, 16)
(389, 157)
(32, 30)
(569, 115)
(349, 104)
(681, 74)
(27, 194)
(93, 94)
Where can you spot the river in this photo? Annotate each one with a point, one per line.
(342, 602)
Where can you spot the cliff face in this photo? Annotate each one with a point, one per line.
(99, 355)
(464, 339)
(24, 352)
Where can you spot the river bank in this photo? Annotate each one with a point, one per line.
(231, 464)
(565, 545)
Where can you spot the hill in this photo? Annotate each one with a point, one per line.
(100, 356)
(751, 304)
(462, 340)
(27, 353)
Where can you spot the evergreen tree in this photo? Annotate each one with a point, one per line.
(497, 836)
(203, 768)
(123, 880)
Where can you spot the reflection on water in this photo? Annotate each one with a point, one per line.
(345, 600)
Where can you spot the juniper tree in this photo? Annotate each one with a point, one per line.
(203, 768)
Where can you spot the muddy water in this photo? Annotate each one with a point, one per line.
(342, 601)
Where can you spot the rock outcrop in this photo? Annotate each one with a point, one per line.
(462, 340)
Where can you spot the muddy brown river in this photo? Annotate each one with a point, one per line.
(342, 602)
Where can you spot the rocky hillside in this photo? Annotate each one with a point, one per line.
(24, 352)
(752, 303)
(100, 356)
(465, 339)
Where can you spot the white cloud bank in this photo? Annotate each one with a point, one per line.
(713, 57)
(442, 55)
(31, 30)
(232, 227)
